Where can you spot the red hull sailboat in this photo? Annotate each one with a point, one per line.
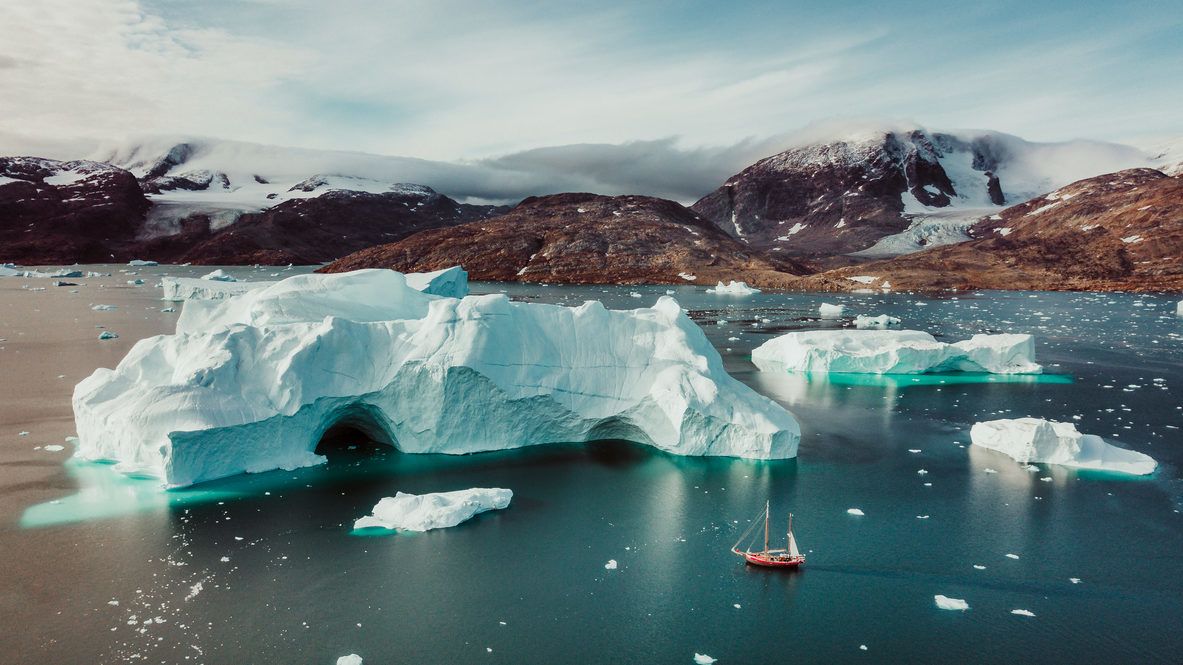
(789, 557)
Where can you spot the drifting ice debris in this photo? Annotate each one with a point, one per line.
(219, 275)
(854, 511)
(1025, 613)
(733, 289)
(137, 263)
(947, 603)
(107, 334)
(611, 565)
(703, 659)
(881, 322)
(351, 659)
(895, 352)
(1029, 440)
(829, 311)
(103, 308)
(440, 510)
(252, 383)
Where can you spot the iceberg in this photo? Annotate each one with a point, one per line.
(1028, 440)
(253, 382)
(192, 288)
(895, 352)
(219, 275)
(881, 322)
(733, 289)
(449, 282)
(424, 512)
(140, 263)
(828, 311)
(947, 603)
(351, 659)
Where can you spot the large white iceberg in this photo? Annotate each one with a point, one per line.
(440, 510)
(733, 289)
(1030, 440)
(895, 352)
(252, 383)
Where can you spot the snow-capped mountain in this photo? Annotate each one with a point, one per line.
(889, 191)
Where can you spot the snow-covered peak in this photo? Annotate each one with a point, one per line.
(51, 171)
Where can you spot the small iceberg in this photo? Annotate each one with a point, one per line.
(219, 275)
(140, 263)
(855, 511)
(895, 352)
(828, 311)
(1028, 440)
(107, 334)
(424, 512)
(351, 659)
(947, 603)
(1023, 613)
(733, 289)
(881, 322)
(703, 659)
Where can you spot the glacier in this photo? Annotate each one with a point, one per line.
(439, 510)
(252, 383)
(895, 352)
(1028, 440)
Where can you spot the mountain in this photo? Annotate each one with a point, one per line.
(1119, 231)
(585, 239)
(215, 202)
(887, 191)
(55, 212)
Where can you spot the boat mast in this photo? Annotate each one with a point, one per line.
(789, 535)
(766, 507)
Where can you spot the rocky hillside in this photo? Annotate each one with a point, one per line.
(66, 211)
(1120, 231)
(889, 192)
(585, 239)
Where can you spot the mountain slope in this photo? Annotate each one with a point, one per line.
(1119, 231)
(66, 211)
(884, 192)
(585, 239)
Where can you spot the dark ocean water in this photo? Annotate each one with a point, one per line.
(283, 578)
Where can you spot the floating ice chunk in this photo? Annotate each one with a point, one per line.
(104, 308)
(1025, 613)
(1029, 440)
(1074, 580)
(219, 275)
(53, 448)
(611, 565)
(139, 263)
(440, 510)
(895, 352)
(1012, 556)
(1179, 309)
(733, 289)
(107, 334)
(947, 603)
(979, 567)
(351, 659)
(252, 383)
(828, 311)
(135, 282)
(854, 511)
(703, 659)
(881, 322)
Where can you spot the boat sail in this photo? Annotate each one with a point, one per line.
(789, 557)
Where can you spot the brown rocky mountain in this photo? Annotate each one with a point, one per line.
(585, 239)
(1119, 231)
(57, 212)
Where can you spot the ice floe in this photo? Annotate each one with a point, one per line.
(733, 289)
(881, 322)
(703, 659)
(829, 311)
(351, 659)
(253, 382)
(440, 510)
(855, 511)
(1028, 440)
(895, 352)
(947, 603)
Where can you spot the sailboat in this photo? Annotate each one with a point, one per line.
(789, 557)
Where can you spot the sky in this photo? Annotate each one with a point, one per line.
(470, 80)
